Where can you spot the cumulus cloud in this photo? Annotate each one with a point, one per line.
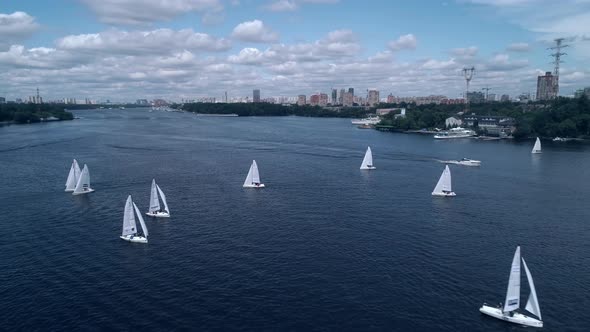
(282, 6)
(405, 42)
(137, 42)
(470, 51)
(133, 12)
(519, 47)
(16, 27)
(254, 31)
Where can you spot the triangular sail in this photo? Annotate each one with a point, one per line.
(255, 174)
(154, 202)
(129, 227)
(141, 222)
(537, 146)
(84, 181)
(368, 160)
(73, 176)
(248, 180)
(444, 182)
(163, 199)
(513, 291)
(532, 304)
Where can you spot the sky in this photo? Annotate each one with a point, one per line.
(125, 50)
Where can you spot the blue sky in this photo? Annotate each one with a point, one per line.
(128, 49)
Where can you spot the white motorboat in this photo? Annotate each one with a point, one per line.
(73, 177)
(510, 311)
(371, 120)
(455, 133)
(368, 160)
(443, 186)
(130, 232)
(253, 177)
(155, 210)
(464, 162)
(537, 146)
(83, 185)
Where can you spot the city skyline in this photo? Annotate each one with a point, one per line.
(203, 48)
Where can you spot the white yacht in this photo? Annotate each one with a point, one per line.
(443, 186)
(253, 177)
(83, 185)
(368, 160)
(130, 232)
(537, 146)
(455, 133)
(464, 162)
(73, 176)
(371, 120)
(510, 312)
(155, 210)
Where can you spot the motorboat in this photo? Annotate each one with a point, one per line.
(455, 133)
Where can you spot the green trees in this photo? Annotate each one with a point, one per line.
(267, 109)
(29, 113)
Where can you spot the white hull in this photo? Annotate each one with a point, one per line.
(69, 190)
(88, 191)
(254, 185)
(535, 152)
(475, 163)
(516, 318)
(441, 194)
(451, 136)
(158, 214)
(134, 238)
(369, 167)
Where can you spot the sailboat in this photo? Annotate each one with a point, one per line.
(155, 210)
(83, 185)
(509, 312)
(443, 186)
(129, 227)
(73, 176)
(253, 177)
(537, 147)
(368, 160)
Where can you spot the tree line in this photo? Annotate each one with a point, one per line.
(268, 109)
(565, 117)
(29, 113)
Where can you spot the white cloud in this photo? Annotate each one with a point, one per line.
(470, 51)
(137, 42)
(405, 42)
(519, 47)
(133, 12)
(254, 31)
(16, 27)
(282, 6)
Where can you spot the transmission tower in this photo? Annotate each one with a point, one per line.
(557, 60)
(468, 74)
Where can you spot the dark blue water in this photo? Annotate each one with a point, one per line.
(324, 247)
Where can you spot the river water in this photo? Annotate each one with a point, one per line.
(323, 247)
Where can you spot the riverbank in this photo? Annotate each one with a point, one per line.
(33, 113)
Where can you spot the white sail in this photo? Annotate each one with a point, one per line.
(368, 160)
(253, 175)
(537, 147)
(129, 227)
(154, 201)
(532, 304)
(444, 182)
(513, 292)
(248, 180)
(163, 199)
(141, 222)
(73, 176)
(83, 184)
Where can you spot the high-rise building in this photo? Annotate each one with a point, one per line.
(341, 99)
(314, 99)
(256, 96)
(301, 100)
(546, 86)
(505, 98)
(373, 98)
(2, 100)
(491, 97)
(334, 96)
(390, 99)
(351, 91)
(348, 99)
(476, 97)
(323, 99)
(581, 92)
